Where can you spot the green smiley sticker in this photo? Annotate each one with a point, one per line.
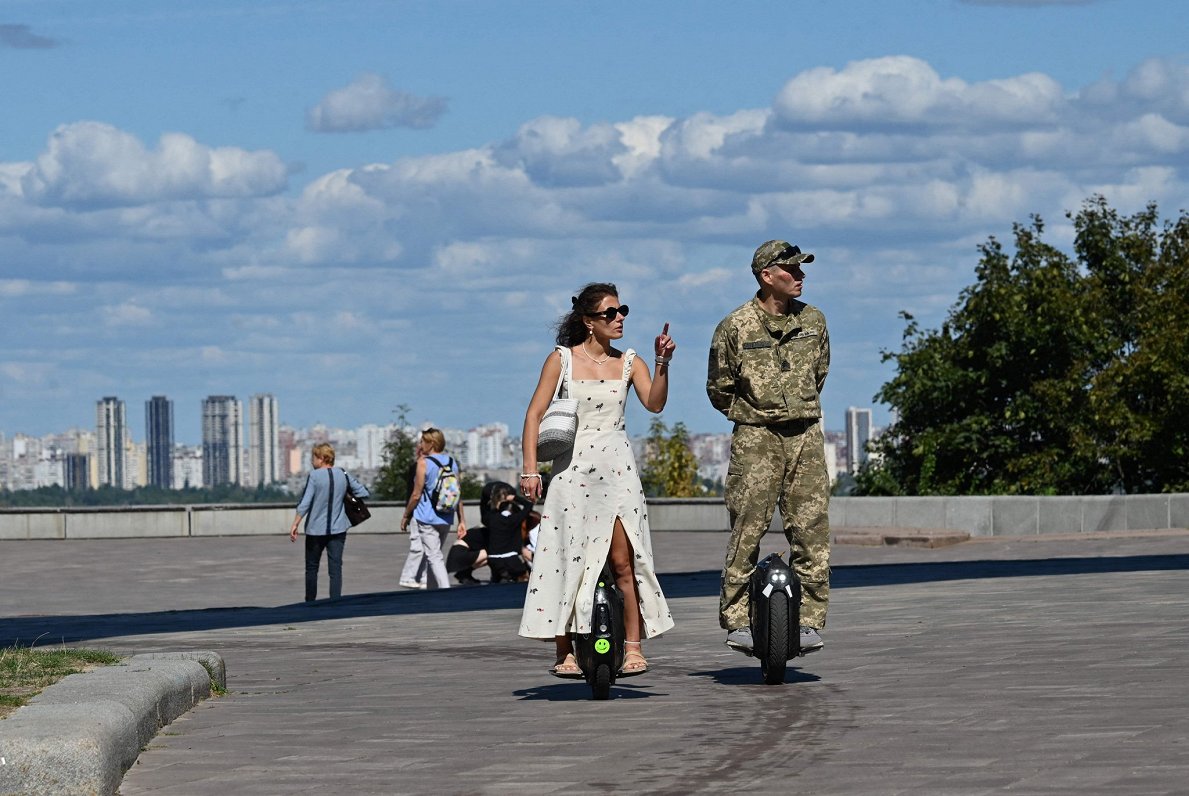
(602, 646)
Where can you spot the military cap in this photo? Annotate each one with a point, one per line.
(778, 252)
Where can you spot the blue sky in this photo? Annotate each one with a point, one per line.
(359, 204)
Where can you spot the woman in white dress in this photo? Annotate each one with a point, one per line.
(594, 510)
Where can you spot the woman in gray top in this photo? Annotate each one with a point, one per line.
(321, 505)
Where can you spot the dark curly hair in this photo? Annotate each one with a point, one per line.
(571, 329)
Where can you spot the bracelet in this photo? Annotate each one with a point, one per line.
(663, 360)
(530, 475)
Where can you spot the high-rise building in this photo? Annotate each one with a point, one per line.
(369, 445)
(75, 471)
(485, 446)
(111, 432)
(264, 450)
(158, 433)
(136, 461)
(187, 467)
(222, 440)
(858, 434)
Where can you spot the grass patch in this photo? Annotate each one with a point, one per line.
(25, 671)
(217, 688)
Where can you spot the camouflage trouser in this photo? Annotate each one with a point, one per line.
(781, 464)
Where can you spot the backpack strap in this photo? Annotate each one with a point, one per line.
(435, 482)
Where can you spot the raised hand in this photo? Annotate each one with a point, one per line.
(664, 344)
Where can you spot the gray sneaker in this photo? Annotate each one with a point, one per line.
(810, 640)
(739, 640)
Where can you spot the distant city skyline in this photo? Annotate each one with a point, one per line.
(636, 427)
(71, 457)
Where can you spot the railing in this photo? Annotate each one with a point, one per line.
(979, 516)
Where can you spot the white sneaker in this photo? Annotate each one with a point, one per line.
(810, 640)
(412, 584)
(740, 640)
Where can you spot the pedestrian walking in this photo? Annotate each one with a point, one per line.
(431, 518)
(326, 522)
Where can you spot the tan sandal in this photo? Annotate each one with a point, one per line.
(633, 661)
(567, 669)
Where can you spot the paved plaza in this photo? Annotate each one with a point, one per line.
(1037, 665)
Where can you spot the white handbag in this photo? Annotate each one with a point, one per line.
(560, 423)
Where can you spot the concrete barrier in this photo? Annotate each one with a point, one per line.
(977, 515)
(32, 524)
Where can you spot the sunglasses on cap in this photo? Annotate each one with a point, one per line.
(788, 253)
(609, 314)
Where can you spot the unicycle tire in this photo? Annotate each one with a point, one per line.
(773, 659)
(600, 682)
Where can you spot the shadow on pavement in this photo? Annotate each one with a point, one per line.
(82, 627)
(750, 675)
(580, 692)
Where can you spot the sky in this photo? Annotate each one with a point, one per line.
(358, 205)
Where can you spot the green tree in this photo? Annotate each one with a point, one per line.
(1138, 275)
(670, 468)
(394, 480)
(58, 497)
(1049, 375)
(470, 486)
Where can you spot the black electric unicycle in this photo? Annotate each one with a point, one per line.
(774, 594)
(600, 652)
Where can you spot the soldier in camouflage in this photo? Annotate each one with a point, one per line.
(768, 363)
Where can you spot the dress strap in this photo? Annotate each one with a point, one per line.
(628, 357)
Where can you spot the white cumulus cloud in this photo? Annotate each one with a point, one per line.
(902, 90)
(92, 164)
(369, 103)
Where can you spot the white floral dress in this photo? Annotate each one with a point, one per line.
(591, 486)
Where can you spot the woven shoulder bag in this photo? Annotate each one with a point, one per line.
(560, 423)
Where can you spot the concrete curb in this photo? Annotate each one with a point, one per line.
(81, 734)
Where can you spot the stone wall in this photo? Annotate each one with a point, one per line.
(979, 516)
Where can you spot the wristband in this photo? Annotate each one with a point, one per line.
(530, 475)
(663, 360)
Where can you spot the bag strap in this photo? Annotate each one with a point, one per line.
(628, 358)
(330, 501)
(566, 374)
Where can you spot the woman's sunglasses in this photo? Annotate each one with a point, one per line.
(609, 314)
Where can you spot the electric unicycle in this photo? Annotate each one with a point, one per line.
(774, 594)
(600, 652)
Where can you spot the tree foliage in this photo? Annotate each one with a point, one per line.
(670, 468)
(394, 480)
(1051, 375)
(59, 497)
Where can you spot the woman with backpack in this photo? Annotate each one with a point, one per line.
(435, 498)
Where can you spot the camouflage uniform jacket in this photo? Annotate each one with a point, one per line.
(766, 369)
